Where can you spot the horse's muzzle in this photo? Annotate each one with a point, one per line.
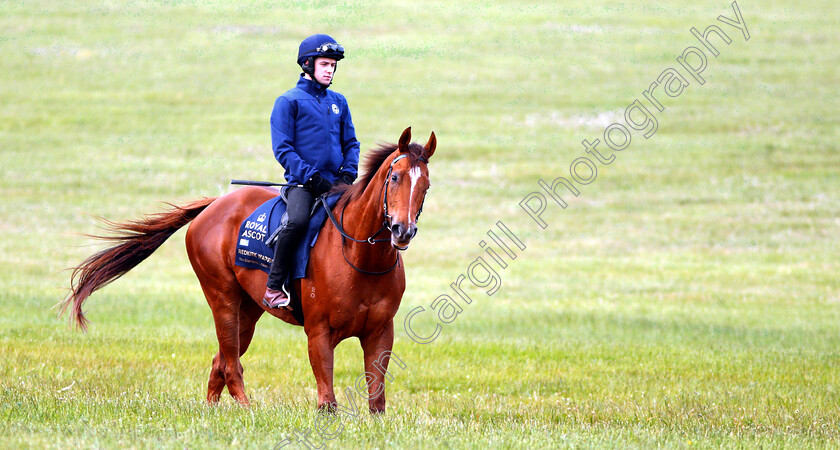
(401, 235)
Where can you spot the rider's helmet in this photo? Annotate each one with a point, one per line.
(317, 46)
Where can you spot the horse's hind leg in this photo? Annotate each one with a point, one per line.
(249, 314)
(217, 379)
(235, 321)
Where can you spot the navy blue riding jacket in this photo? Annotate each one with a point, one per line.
(311, 131)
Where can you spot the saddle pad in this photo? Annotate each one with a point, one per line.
(251, 249)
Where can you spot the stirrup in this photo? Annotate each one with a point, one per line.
(285, 306)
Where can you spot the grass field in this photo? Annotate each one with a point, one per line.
(687, 297)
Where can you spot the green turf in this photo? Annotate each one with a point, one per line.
(688, 297)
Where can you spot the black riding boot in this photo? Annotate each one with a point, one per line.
(298, 205)
(282, 257)
(275, 292)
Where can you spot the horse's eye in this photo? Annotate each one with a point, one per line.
(394, 178)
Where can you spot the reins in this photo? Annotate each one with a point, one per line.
(340, 227)
(344, 237)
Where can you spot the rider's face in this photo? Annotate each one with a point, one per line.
(324, 70)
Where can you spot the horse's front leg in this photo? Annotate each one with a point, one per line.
(377, 348)
(321, 355)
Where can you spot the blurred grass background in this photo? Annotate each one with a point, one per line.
(688, 297)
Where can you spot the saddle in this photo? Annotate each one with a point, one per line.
(257, 233)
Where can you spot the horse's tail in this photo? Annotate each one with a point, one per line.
(135, 241)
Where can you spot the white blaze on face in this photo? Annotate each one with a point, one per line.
(415, 175)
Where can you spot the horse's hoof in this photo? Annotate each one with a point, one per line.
(327, 408)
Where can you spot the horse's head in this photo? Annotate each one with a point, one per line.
(405, 188)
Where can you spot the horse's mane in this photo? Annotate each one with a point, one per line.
(373, 161)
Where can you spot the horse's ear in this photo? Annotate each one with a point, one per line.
(430, 146)
(405, 139)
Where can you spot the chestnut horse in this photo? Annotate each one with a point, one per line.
(354, 280)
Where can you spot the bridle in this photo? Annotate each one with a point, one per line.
(386, 223)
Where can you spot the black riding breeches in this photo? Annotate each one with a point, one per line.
(292, 227)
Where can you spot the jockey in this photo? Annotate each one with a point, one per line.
(313, 138)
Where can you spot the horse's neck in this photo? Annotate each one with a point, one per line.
(364, 216)
(365, 211)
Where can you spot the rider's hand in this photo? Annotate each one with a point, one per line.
(317, 185)
(345, 178)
